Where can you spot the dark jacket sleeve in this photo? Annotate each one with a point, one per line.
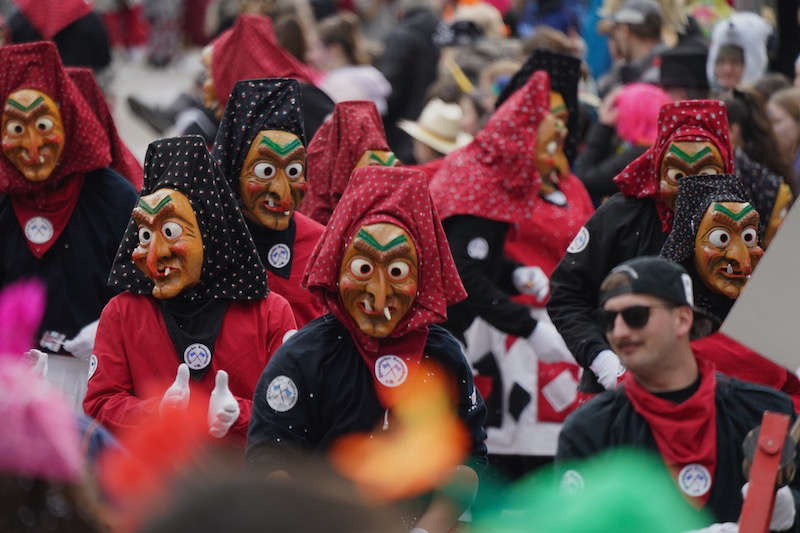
(600, 162)
(486, 274)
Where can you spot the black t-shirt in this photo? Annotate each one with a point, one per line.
(75, 269)
(477, 247)
(621, 229)
(321, 389)
(610, 421)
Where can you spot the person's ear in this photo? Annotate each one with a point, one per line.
(683, 316)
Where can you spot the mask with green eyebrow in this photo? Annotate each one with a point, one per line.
(686, 158)
(378, 278)
(378, 158)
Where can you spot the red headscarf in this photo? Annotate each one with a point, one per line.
(122, 160)
(687, 120)
(354, 128)
(51, 16)
(398, 196)
(495, 175)
(250, 50)
(38, 66)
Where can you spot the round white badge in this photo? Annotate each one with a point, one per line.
(478, 248)
(571, 483)
(38, 230)
(279, 256)
(556, 198)
(391, 370)
(282, 393)
(580, 242)
(288, 335)
(197, 356)
(92, 365)
(694, 480)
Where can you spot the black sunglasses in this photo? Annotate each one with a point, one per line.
(635, 316)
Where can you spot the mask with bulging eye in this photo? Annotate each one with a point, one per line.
(726, 247)
(687, 158)
(33, 133)
(378, 278)
(170, 250)
(273, 178)
(552, 132)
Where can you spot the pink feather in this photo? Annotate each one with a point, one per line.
(21, 310)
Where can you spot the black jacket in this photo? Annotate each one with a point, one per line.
(75, 269)
(621, 229)
(409, 63)
(336, 395)
(610, 421)
(477, 248)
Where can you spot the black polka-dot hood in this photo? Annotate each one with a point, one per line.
(232, 269)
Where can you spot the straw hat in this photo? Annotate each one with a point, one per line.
(438, 127)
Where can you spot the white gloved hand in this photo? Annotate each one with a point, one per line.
(177, 395)
(607, 368)
(783, 512)
(83, 344)
(548, 344)
(38, 361)
(531, 280)
(223, 409)
(724, 527)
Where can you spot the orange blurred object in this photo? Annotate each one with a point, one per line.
(425, 440)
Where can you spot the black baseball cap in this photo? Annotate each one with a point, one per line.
(652, 275)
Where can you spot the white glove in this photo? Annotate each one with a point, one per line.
(725, 527)
(38, 360)
(548, 345)
(223, 409)
(83, 344)
(531, 280)
(607, 368)
(782, 512)
(177, 395)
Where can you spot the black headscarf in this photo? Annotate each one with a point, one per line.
(231, 267)
(763, 185)
(695, 194)
(255, 105)
(564, 72)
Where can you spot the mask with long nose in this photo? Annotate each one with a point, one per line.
(33, 133)
(273, 178)
(378, 277)
(170, 250)
(726, 246)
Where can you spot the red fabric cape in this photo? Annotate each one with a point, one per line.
(687, 120)
(495, 175)
(250, 50)
(122, 160)
(399, 196)
(685, 433)
(339, 143)
(51, 16)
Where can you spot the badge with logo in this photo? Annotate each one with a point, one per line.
(478, 248)
(390, 370)
(197, 356)
(571, 483)
(279, 256)
(556, 198)
(580, 242)
(288, 335)
(694, 480)
(282, 394)
(38, 230)
(92, 365)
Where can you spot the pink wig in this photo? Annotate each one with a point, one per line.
(637, 112)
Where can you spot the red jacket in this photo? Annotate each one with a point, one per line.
(136, 360)
(306, 306)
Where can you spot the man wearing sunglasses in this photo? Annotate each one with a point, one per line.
(670, 401)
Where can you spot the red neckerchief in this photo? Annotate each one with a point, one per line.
(686, 433)
(687, 120)
(51, 16)
(44, 215)
(249, 50)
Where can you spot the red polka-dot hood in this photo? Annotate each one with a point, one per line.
(250, 50)
(687, 120)
(495, 176)
(51, 16)
(354, 128)
(38, 66)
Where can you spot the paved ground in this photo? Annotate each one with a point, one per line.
(133, 76)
